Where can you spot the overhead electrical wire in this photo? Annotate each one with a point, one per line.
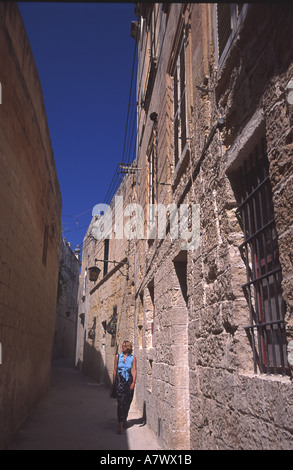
(127, 144)
(128, 136)
(129, 99)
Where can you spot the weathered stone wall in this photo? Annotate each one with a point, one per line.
(114, 290)
(162, 336)
(231, 408)
(226, 401)
(30, 201)
(64, 343)
(196, 384)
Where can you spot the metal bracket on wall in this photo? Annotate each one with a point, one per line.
(127, 168)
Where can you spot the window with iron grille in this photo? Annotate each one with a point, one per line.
(229, 16)
(259, 250)
(179, 104)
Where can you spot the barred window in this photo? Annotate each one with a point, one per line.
(229, 16)
(266, 331)
(224, 25)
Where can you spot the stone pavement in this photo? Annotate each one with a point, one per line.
(78, 414)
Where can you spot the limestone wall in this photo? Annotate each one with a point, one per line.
(231, 408)
(30, 207)
(64, 343)
(112, 293)
(186, 310)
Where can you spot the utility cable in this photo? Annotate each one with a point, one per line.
(129, 132)
(129, 99)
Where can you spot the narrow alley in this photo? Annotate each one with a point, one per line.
(78, 414)
(181, 283)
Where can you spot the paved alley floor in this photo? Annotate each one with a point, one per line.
(78, 414)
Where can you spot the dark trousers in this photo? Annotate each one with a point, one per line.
(124, 397)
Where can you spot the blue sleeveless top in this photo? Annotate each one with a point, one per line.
(124, 368)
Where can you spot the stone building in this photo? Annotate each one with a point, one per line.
(204, 283)
(106, 291)
(64, 342)
(30, 229)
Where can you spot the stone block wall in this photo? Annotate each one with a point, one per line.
(231, 408)
(196, 386)
(64, 343)
(112, 293)
(30, 208)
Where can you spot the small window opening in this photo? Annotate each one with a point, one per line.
(259, 251)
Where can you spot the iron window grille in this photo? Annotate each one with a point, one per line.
(259, 252)
(229, 17)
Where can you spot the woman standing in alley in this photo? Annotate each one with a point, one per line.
(124, 378)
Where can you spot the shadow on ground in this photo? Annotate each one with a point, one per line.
(77, 413)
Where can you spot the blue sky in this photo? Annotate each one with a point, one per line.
(84, 55)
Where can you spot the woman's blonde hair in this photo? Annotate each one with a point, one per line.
(128, 345)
